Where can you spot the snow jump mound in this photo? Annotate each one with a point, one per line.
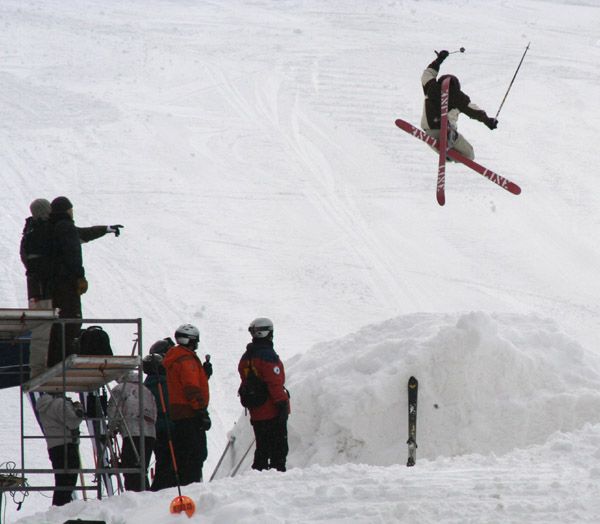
(488, 383)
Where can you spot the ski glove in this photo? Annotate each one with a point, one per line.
(82, 285)
(442, 55)
(204, 420)
(116, 229)
(492, 123)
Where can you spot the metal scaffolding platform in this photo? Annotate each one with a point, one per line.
(80, 373)
(83, 374)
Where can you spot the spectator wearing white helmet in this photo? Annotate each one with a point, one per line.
(263, 393)
(187, 382)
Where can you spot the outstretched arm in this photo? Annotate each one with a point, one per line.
(87, 234)
(433, 69)
(472, 111)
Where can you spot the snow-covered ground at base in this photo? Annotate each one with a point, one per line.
(249, 149)
(556, 482)
(508, 431)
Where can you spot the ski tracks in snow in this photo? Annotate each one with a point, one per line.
(329, 192)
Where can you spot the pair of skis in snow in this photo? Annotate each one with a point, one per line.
(442, 146)
(413, 390)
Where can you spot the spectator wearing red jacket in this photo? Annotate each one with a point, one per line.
(187, 384)
(263, 392)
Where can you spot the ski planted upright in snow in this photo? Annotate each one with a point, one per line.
(441, 179)
(504, 183)
(413, 390)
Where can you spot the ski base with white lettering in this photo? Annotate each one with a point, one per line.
(443, 143)
(501, 181)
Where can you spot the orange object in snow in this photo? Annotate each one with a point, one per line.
(183, 504)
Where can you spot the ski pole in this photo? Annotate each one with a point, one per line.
(82, 478)
(180, 503)
(229, 444)
(513, 79)
(235, 470)
(461, 50)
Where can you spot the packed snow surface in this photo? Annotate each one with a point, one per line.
(249, 148)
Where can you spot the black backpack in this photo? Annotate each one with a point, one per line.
(93, 341)
(253, 392)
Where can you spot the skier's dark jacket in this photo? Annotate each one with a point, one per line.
(458, 102)
(262, 359)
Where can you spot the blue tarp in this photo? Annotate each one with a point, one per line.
(14, 362)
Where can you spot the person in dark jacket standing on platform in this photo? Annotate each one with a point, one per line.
(36, 251)
(458, 102)
(263, 392)
(67, 280)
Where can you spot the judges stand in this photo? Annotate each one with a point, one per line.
(81, 374)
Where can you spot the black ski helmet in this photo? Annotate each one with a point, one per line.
(161, 346)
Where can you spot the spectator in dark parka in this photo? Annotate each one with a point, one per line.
(36, 244)
(67, 280)
(263, 392)
(156, 382)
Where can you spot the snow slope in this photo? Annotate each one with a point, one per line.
(249, 149)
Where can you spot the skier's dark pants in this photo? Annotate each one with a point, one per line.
(57, 458)
(129, 460)
(271, 444)
(164, 476)
(65, 296)
(189, 441)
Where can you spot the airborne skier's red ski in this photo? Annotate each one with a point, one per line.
(504, 183)
(441, 180)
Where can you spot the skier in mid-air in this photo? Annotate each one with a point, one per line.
(458, 102)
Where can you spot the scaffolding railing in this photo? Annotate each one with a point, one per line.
(76, 373)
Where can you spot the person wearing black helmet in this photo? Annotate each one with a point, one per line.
(458, 102)
(263, 393)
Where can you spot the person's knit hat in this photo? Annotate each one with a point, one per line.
(61, 204)
(40, 208)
